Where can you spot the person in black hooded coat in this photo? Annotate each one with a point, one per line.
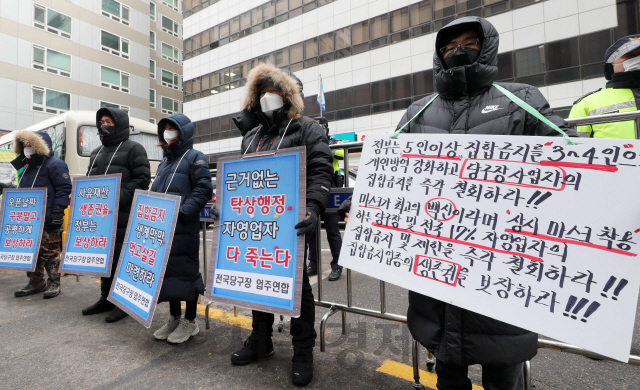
(42, 169)
(184, 172)
(118, 154)
(263, 129)
(468, 104)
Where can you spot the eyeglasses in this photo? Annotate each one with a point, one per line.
(107, 123)
(468, 42)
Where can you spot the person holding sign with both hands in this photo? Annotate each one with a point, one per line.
(184, 172)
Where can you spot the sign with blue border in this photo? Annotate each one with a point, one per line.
(256, 257)
(92, 225)
(145, 252)
(23, 211)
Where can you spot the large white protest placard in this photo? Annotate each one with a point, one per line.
(527, 230)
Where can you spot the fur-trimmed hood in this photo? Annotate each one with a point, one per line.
(286, 82)
(39, 141)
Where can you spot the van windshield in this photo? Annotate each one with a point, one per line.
(88, 140)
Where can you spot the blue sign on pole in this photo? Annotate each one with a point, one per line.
(205, 213)
(336, 197)
(21, 230)
(91, 230)
(145, 253)
(257, 258)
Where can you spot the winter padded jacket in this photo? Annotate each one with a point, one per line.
(183, 172)
(289, 130)
(468, 104)
(121, 155)
(44, 170)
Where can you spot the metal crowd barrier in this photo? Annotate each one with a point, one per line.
(335, 307)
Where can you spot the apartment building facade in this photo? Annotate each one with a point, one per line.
(61, 55)
(375, 57)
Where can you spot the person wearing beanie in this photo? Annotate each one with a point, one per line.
(271, 120)
(621, 93)
(41, 169)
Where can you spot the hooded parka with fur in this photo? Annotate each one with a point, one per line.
(260, 135)
(468, 104)
(44, 170)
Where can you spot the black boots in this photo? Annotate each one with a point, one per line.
(116, 315)
(253, 350)
(99, 307)
(302, 367)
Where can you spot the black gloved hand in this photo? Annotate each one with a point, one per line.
(57, 217)
(309, 223)
(215, 214)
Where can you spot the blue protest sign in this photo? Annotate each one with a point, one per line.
(145, 253)
(22, 222)
(257, 258)
(91, 230)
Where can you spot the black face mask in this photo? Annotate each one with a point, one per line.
(461, 56)
(106, 130)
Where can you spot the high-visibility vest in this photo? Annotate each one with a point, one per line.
(607, 101)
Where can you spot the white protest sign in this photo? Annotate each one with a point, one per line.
(527, 230)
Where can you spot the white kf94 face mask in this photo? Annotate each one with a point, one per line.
(631, 64)
(270, 102)
(28, 152)
(169, 135)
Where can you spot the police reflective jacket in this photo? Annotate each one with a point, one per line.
(622, 94)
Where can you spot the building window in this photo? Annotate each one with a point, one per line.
(51, 21)
(116, 11)
(113, 105)
(152, 69)
(173, 4)
(169, 79)
(170, 53)
(49, 101)
(152, 120)
(530, 61)
(114, 79)
(114, 44)
(152, 40)
(170, 106)
(420, 13)
(170, 26)
(152, 11)
(152, 98)
(51, 61)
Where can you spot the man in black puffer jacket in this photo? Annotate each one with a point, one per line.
(118, 154)
(271, 120)
(465, 66)
(42, 169)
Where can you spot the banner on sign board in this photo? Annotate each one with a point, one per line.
(145, 252)
(22, 212)
(527, 230)
(92, 225)
(257, 259)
